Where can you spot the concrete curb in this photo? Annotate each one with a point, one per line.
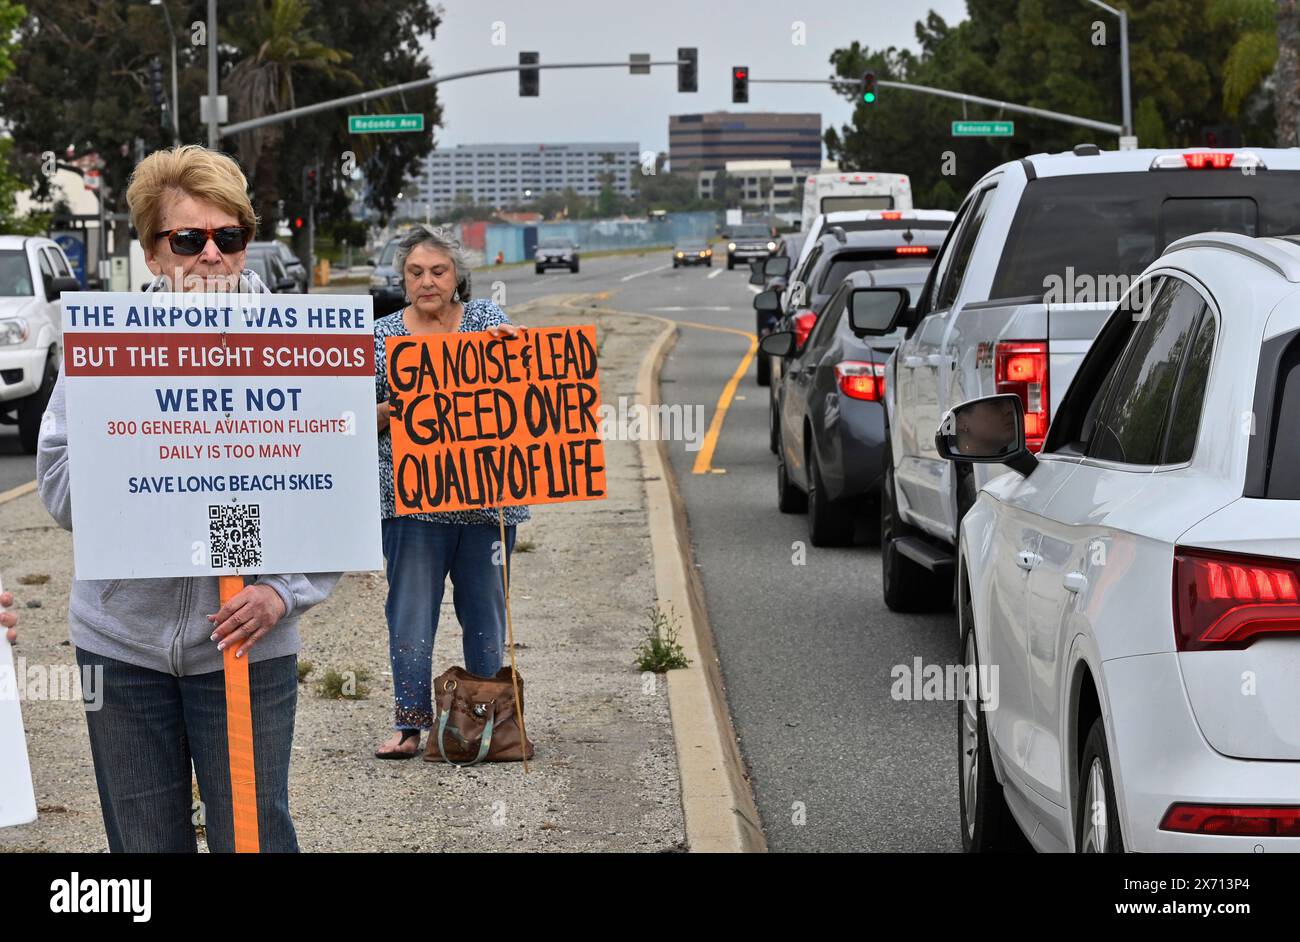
(718, 803)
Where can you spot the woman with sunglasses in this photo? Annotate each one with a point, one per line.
(160, 642)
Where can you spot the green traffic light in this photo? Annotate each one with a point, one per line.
(869, 97)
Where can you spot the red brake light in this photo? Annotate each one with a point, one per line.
(858, 379)
(803, 325)
(891, 215)
(912, 250)
(1020, 367)
(1224, 601)
(1215, 160)
(1251, 820)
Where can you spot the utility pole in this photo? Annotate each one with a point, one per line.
(214, 134)
(1123, 63)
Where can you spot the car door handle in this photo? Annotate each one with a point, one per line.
(1075, 581)
(1027, 560)
(912, 362)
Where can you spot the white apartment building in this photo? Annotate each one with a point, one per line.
(505, 174)
(760, 182)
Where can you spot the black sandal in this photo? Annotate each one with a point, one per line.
(399, 754)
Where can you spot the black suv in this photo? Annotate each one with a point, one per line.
(749, 241)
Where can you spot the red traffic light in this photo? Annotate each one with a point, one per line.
(297, 222)
(741, 73)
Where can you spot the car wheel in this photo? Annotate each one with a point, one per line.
(764, 370)
(730, 263)
(538, 269)
(1096, 826)
(987, 825)
(907, 586)
(709, 263)
(574, 268)
(675, 264)
(32, 408)
(828, 524)
(789, 499)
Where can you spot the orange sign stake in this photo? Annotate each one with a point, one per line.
(239, 736)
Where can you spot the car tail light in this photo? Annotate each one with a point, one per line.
(1225, 601)
(891, 215)
(1208, 160)
(858, 379)
(803, 325)
(1020, 367)
(912, 250)
(1244, 820)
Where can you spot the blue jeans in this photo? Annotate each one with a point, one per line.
(152, 725)
(420, 555)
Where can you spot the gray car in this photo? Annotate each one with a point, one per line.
(386, 289)
(292, 264)
(555, 253)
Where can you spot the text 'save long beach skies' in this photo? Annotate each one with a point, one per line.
(483, 422)
(221, 434)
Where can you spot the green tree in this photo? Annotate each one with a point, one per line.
(275, 45)
(11, 14)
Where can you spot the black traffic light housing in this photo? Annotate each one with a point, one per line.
(529, 78)
(870, 94)
(311, 185)
(155, 81)
(740, 83)
(688, 73)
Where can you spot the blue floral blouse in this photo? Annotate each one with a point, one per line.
(480, 314)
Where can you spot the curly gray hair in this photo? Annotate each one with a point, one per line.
(435, 238)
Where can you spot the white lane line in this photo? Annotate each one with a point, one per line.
(755, 288)
(715, 274)
(648, 271)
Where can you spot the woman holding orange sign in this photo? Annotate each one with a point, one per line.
(422, 549)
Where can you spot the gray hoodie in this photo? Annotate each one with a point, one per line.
(160, 624)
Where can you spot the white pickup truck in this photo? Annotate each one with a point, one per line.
(34, 272)
(1041, 251)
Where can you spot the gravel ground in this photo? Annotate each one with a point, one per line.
(605, 774)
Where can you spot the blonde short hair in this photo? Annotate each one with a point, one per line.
(202, 174)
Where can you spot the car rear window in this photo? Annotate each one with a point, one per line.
(839, 204)
(843, 264)
(875, 225)
(15, 276)
(1100, 226)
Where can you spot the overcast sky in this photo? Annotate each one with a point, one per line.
(611, 105)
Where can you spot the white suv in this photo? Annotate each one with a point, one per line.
(33, 274)
(1130, 597)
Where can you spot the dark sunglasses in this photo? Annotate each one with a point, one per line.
(229, 239)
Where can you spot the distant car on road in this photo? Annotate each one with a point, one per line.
(292, 264)
(1137, 581)
(34, 273)
(749, 241)
(693, 252)
(556, 253)
(386, 288)
(828, 422)
(271, 270)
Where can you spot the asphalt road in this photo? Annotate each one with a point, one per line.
(806, 644)
(16, 467)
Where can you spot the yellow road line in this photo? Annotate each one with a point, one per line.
(704, 460)
(18, 491)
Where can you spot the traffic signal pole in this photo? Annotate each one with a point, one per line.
(960, 96)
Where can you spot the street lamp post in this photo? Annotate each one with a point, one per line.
(176, 105)
(213, 133)
(1123, 62)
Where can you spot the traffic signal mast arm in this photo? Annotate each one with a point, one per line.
(959, 96)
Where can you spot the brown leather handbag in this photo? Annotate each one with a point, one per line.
(477, 721)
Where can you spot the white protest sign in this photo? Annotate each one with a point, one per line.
(221, 434)
(17, 798)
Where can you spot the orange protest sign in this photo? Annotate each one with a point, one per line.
(481, 422)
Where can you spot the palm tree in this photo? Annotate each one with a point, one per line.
(275, 45)
(1286, 78)
(1252, 56)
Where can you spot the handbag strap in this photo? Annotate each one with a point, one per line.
(484, 744)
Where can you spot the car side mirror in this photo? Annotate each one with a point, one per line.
(779, 344)
(777, 266)
(874, 312)
(56, 286)
(990, 430)
(767, 302)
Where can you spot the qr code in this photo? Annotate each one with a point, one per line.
(235, 534)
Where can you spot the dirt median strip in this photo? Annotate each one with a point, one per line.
(605, 777)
